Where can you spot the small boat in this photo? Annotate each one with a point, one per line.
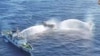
(18, 41)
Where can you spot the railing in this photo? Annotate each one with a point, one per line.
(27, 46)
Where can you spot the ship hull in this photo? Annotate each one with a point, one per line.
(15, 44)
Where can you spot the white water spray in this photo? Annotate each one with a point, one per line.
(65, 25)
(89, 22)
(33, 30)
(57, 36)
(72, 24)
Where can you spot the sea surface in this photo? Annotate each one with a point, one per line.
(26, 13)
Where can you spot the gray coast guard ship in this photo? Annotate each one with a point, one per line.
(14, 37)
(17, 40)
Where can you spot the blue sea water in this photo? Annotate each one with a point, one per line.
(25, 13)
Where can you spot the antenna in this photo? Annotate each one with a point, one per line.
(17, 31)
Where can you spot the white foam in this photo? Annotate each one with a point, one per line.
(66, 25)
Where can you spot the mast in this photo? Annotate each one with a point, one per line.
(17, 31)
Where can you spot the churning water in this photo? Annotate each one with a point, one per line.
(68, 36)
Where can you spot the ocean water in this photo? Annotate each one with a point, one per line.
(26, 13)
